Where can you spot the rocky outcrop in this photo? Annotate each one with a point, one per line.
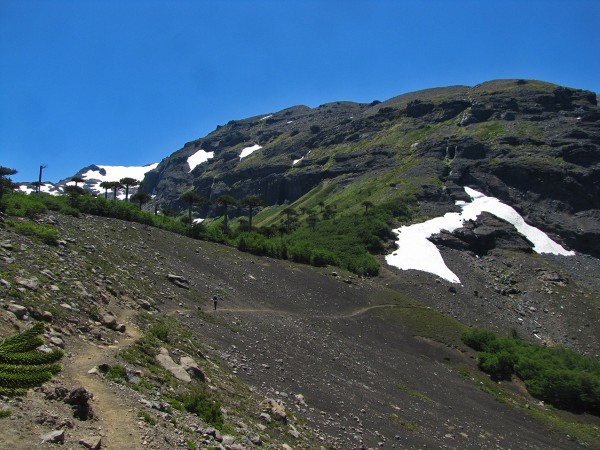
(483, 235)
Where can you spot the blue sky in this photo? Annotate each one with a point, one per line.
(128, 82)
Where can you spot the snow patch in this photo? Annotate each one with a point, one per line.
(199, 157)
(47, 188)
(416, 252)
(249, 150)
(266, 117)
(198, 220)
(296, 161)
(115, 173)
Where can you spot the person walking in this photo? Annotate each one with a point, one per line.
(215, 300)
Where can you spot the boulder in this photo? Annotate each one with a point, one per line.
(54, 437)
(30, 283)
(109, 321)
(79, 399)
(191, 367)
(94, 443)
(17, 310)
(172, 367)
(276, 409)
(178, 280)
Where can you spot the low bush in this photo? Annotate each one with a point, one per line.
(558, 376)
(198, 402)
(47, 234)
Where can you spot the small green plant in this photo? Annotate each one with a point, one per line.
(41, 232)
(413, 392)
(198, 402)
(22, 366)
(5, 413)
(148, 418)
(160, 330)
(116, 373)
(408, 426)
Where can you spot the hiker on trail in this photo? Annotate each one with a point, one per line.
(215, 301)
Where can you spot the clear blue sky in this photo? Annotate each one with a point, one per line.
(128, 82)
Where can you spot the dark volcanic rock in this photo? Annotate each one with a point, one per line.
(483, 235)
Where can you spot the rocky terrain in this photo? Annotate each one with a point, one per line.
(299, 357)
(532, 144)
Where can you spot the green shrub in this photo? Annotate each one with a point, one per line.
(41, 232)
(160, 330)
(558, 376)
(116, 373)
(198, 402)
(22, 366)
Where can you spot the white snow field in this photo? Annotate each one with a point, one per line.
(199, 157)
(416, 252)
(249, 150)
(47, 188)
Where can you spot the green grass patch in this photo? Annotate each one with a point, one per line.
(413, 392)
(408, 426)
(198, 401)
(116, 373)
(148, 418)
(47, 234)
(426, 322)
(5, 413)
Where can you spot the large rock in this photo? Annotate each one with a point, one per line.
(172, 367)
(191, 367)
(17, 310)
(30, 283)
(79, 399)
(276, 409)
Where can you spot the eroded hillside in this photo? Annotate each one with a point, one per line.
(294, 356)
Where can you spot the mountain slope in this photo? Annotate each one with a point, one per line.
(357, 361)
(532, 144)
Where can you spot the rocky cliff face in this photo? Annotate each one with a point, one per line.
(533, 144)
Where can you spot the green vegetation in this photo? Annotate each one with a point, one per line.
(148, 418)
(413, 392)
(319, 236)
(116, 373)
(47, 234)
(199, 402)
(557, 376)
(408, 426)
(22, 366)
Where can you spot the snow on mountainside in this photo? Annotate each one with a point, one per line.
(94, 175)
(417, 252)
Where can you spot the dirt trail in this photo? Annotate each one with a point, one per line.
(117, 420)
(354, 313)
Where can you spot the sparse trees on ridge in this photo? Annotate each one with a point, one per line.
(251, 202)
(128, 182)
(106, 185)
(192, 198)
(367, 204)
(141, 198)
(77, 179)
(226, 200)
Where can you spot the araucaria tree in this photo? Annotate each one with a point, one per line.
(22, 366)
(5, 182)
(77, 180)
(141, 198)
(251, 202)
(226, 200)
(115, 186)
(106, 185)
(192, 198)
(128, 182)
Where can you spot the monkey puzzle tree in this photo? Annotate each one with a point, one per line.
(251, 202)
(5, 182)
(22, 366)
(106, 185)
(226, 200)
(192, 198)
(77, 179)
(128, 182)
(115, 186)
(367, 204)
(141, 198)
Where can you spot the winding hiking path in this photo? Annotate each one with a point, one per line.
(117, 420)
(354, 313)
